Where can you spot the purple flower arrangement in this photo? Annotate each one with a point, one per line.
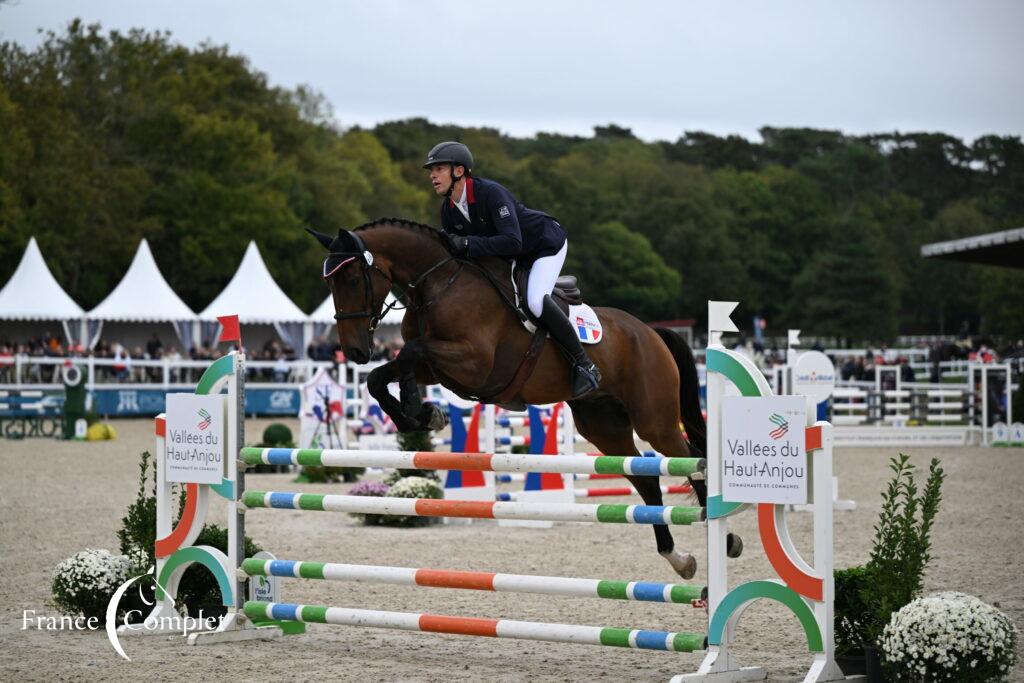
(369, 488)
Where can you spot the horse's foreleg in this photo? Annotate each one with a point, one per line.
(377, 382)
(411, 360)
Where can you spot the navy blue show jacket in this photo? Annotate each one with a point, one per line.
(500, 225)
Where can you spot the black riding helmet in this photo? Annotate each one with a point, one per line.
(454, 153)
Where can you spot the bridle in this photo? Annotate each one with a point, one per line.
(336, 260)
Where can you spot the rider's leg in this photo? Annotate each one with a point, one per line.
(585, 375)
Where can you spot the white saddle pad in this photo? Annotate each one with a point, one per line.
(585, 320)
(587, 324)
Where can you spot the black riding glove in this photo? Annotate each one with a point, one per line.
(458, 245)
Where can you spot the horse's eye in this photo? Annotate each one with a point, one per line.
(353, 282)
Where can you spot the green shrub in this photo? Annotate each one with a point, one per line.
(313, 474)
(278, 435)
(866, 597)
(137, 537)
(198, 588)
(413, 441)
(852, 609)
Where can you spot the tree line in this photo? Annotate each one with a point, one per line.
(111, 137)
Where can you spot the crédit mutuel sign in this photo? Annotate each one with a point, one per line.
(764, 456)
(195, 438)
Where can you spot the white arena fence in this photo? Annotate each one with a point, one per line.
(886, 401)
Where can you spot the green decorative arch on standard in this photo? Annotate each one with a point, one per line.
(218, 370)
(734, 371)
(179, 562)
(739, 597)
(724, 364)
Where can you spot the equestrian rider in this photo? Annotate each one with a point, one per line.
(482, 218)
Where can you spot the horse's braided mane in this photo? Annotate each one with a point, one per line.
(405, 223)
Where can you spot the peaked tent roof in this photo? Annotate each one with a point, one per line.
(142, 295)
(1004, 248)
(324, 313)
(32, 293)
(253, 295)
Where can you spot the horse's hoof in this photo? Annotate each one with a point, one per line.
(432, 418)
(684, 563)
(438, 420)
(733, 545)
(405, 425)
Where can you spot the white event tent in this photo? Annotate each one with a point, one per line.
(256, 299)
(32, 294)
(142, 296)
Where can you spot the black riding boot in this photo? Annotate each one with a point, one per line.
(585, 374)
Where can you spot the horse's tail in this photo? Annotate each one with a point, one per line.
(689, 388)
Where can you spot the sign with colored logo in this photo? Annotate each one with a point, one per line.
(195, 438)
(781, 426)
(265, 588)
(814, 376)
(764, 455)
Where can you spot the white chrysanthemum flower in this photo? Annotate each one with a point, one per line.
(945, 634)
(415, 487)
(87, 578)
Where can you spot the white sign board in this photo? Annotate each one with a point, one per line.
(764, 456)
(1017, 434)
(322, 415)
(1000, 433)
(814, 376)
(195, 438)
(265, 588)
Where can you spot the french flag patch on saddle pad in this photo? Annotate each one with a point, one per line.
(587, 324)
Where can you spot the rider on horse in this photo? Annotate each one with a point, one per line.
(482, 218)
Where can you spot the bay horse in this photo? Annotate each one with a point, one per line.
(461, 332)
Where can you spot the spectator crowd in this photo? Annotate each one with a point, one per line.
(272, 362)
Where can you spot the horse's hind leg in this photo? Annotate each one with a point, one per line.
(604, 423)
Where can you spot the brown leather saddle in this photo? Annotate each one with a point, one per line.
(566, 293)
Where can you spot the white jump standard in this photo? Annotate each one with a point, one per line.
(804, 588)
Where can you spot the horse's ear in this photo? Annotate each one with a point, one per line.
(348, 242)
(322, 238)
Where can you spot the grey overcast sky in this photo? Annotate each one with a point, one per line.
(659, 68)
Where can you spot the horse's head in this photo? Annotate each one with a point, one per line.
(359, 285)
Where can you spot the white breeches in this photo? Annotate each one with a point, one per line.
(542, 278)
